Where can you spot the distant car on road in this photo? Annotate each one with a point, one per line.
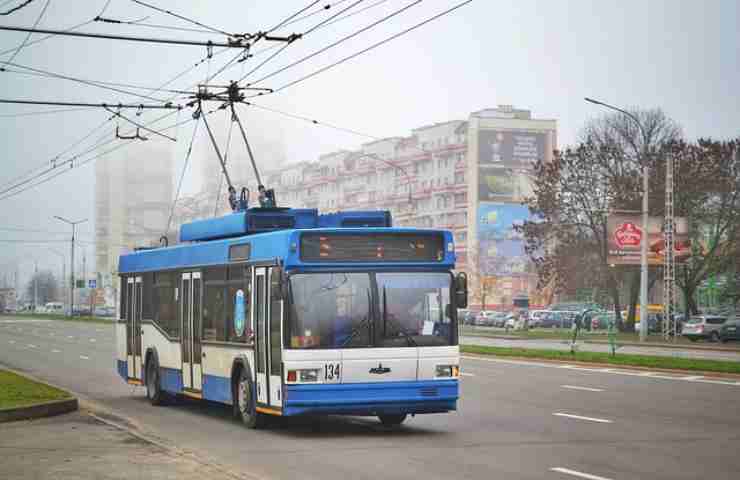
(105, 311)
(705, 327)
(730, 331)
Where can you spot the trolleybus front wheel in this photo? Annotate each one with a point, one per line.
(245, 402)
(154, 391)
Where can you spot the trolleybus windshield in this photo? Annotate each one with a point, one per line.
(355, 310)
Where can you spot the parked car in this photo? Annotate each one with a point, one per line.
(703, 326)
(499, 319)
(557, 320)
(485, 318)
(535, 318)
(105, 311)
(730, 331)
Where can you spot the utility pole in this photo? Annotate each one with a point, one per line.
(35, 285)
(644, 243)
(72, 263)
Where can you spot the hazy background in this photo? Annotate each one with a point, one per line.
(681, 56)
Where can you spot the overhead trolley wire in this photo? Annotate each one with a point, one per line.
(338, 42)
(285, 22)
(314, 13)
(182, 176)
(25, 40)
(327, 20)
(372, 47)
(190, 20)
(83, 81)
(14, 9)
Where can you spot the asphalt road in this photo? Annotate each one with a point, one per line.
(516, 420)
(554, 344)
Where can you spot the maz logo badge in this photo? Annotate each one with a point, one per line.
(380, 369)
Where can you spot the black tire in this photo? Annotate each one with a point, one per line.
(154, 391)
(392, 420)
(245, 403)
(724, 340)
(714, 337)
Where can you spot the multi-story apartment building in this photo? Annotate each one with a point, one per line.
(468, 176)
(133, 196)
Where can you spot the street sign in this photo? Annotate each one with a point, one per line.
(91, 284)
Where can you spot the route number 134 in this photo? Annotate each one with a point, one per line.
(331, 371)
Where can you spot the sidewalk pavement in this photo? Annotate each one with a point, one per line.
(78, 446)
(554, 344)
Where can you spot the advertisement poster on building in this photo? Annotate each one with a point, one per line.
(504, 159)
(501, 247)
(624, 237)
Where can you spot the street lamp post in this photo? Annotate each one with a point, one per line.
(72, 263)
(644, 243)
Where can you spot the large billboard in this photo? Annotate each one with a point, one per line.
(500, 246)
(624, 238)
(504, 158)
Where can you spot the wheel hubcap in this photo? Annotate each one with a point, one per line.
(243, 396)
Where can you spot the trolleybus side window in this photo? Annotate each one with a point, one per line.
(276, 313)
(164, 303)
(214, 305)
(147, 312)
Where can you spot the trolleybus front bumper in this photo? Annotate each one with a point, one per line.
(379, 398)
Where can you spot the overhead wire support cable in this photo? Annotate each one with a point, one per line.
(314, 13)
(235, 43)
(182, 175)
(373, 46)
(140, 106)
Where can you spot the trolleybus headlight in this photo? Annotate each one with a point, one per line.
(309, 375)
(447, 371)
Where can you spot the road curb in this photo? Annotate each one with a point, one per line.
(717, 375)
(39, 410)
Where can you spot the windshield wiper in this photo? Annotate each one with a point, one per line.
(365, 321)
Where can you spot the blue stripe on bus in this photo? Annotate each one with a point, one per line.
(122, 369)
(170, 380)
(217, 389)
(433, 396)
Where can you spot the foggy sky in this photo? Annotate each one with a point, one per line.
(681, 56)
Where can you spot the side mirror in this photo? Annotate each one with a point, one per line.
(461, 290)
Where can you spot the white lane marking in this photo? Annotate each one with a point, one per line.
(579, 417)
(30, 345)
(55, 351)
(613, 371)
(84, 357)
(70, 336)
(692, 377)
(575, 473)
(463, 374)
(92, 339)
(51, 333)
(11, 342)
(585, 389)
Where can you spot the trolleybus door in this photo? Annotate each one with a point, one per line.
(259, 301)
(274, 343)
(190, 309)
(133, 326)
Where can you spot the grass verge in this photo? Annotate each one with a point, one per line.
(18, 391)
(648, 361)
(53, 316)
